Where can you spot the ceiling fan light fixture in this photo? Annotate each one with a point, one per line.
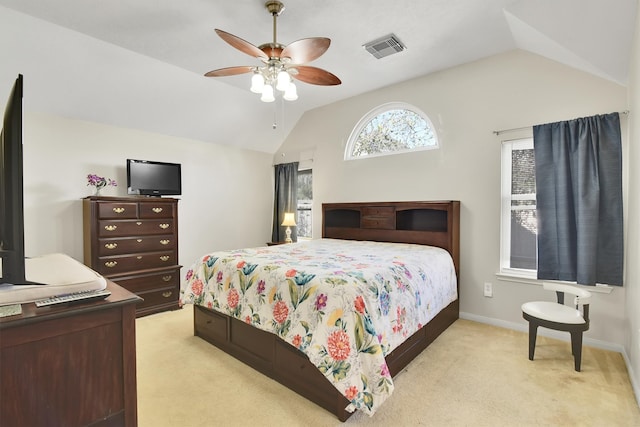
(283, 81)
(257, 83)
(291, 94)
(267, 94)
(281, 63)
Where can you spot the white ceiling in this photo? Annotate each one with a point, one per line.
(174, 45)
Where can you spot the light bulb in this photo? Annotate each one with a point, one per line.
(283, 81)
(257, 83)
(267, 94)
(291, 94)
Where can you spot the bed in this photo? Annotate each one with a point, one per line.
(336, 318)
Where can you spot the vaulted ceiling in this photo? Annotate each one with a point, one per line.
(140, 64)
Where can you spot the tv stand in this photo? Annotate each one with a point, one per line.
(70, 365)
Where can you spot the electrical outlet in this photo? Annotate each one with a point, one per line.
(488, 289)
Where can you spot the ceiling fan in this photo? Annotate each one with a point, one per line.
(281, 62)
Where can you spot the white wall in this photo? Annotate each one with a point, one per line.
(632, 279)
(226, 199)
(466, 104)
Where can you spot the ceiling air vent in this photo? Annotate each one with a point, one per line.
(385, 46)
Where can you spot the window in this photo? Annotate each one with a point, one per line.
(305, 199)
(518, 251)
(389, 129)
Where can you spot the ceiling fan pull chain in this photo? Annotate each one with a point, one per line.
(275, 117)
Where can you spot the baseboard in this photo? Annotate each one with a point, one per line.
(632, 376)
(605, 345)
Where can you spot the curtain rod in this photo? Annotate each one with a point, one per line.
(498, 132)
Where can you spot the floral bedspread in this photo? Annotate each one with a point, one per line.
(345, 304)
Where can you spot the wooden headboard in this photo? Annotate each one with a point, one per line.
(423, 223)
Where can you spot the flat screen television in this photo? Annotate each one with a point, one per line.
(149, 178)
(11, 191)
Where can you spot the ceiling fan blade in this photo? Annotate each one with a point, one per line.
(306, 50)
(230, 71)
(315, 76)
(241, 45)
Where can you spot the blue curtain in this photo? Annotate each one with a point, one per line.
(285, 199)
(579, 200)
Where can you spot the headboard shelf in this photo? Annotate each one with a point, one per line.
(421, 219)
(343, 218)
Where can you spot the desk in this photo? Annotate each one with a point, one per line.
(70, 365)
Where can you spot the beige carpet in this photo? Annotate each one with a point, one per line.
(472, 375)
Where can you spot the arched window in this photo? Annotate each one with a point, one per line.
(391, 128)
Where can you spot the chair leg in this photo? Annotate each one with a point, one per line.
(576, 348)
(533, 331)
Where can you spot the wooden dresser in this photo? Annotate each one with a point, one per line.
(134, 242)
(70, 364)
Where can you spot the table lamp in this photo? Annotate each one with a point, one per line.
(289, 221)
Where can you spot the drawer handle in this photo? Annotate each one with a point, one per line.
(139, 257)
(164, 226)
(118, 210)
(165, 242)
(111, 245)
(156, 210)
(110, 227)
(167, 294)
(111, 264)
(166, 278)
(164, 258)
(139, 240)
(138, 222)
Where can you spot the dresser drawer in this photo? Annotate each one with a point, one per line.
(120, 210)
(113, 228)
(124, 263)
(150, 281)
(156, 210)
(158, 297)
(124, 245)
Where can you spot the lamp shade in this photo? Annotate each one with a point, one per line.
(267, 94)
(283, 80)
(257, 83)
(291, 94)
(289, 219)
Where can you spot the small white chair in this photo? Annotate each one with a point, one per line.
(560, 317)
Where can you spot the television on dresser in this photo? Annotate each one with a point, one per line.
(12, 268)
(151, 178)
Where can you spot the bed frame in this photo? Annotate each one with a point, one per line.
(425, 223)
